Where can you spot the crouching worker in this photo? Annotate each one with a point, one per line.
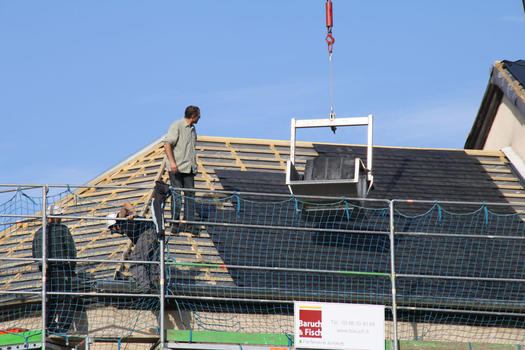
(145, 244)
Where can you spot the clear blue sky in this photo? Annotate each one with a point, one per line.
(84, 84)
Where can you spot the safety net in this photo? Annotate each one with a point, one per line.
(93, 289)
(241, 261)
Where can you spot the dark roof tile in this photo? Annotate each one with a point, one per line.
(517, 69)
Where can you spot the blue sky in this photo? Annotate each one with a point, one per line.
(84, 84)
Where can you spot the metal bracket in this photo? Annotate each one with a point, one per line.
(332, 123)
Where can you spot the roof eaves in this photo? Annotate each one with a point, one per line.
(485, 117)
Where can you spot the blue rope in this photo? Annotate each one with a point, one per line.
(19, 189)
(346, 209)
(74, 194)
(295, 202)
(486, 213)
(290, 339)
(238, 199)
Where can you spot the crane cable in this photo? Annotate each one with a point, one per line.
(330, 41)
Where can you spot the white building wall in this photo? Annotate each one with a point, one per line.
(508, 129)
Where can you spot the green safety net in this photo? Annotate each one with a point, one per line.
(458, 266)
(243, 260)
(460, 274)
(107, 299)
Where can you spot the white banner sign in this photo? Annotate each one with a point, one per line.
(339, 326)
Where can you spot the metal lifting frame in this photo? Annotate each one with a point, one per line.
(333, 122)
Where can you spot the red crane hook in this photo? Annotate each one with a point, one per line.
(329, 17)
(329, 24)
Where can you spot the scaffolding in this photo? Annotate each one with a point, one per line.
(445, 271)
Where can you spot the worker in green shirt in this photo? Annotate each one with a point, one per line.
(181, 162)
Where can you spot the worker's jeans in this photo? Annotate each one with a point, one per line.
(183, 180)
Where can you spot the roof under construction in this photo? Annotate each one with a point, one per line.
(251, 165)
(253, 247)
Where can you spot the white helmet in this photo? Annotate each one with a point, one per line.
(110, 219)
(54, 209)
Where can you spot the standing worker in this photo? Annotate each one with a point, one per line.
(181, 161)
(59, 274)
